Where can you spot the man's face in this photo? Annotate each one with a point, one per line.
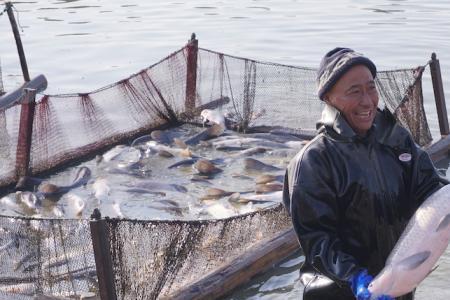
(356, 97)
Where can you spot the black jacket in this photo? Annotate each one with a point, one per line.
(350, 197)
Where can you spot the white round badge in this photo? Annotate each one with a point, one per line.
(405, 157)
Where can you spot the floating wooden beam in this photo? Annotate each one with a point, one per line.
(257, 260)
(439, 150)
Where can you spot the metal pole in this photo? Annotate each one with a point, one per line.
(102, 254)
(23, 61)
(439, 96)
(191, 73)
(25, 133)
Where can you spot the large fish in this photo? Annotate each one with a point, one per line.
(421, 244)
(206, 134)
(82, 177)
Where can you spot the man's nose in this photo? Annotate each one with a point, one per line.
(366, 99)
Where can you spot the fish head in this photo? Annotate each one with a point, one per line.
(204, 115)
(383, 283)
(29, 199)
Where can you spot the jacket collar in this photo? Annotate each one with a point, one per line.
(333, 119)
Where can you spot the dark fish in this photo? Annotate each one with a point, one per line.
(164, 153)
(273, 137)
(184, 162)
(256, 198)
(250, 151)
(200, 178)
(161, 137)
(158, 186)
(231, 148)
(251, 164)
(168, 206)
(299, 133)
(215, 193)
(144, 191)
(268, 187)
(206, 167)
(206, 134)
(193, 160)
(241, 176)
(266, 178)
(51, 190)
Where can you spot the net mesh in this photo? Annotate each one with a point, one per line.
(153, 258)
(260, 93)
(45, 257)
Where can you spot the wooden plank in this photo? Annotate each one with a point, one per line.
(257, 260)
(38, 83)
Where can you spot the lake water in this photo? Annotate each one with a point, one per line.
(86, 44)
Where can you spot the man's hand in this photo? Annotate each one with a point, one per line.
(359, 284)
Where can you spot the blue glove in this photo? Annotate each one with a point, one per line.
(360, 282)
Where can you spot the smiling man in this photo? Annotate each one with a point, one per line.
(353, 188)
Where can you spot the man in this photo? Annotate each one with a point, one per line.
(353, 188)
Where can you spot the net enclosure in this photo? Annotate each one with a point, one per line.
(152, 259)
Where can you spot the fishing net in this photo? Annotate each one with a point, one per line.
(154, 258)
(45, 257)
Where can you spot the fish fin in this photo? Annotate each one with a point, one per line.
(414, 261)
(444, 223)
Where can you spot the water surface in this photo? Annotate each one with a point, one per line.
(81, 45)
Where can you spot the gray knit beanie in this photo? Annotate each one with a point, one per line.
(335, 64)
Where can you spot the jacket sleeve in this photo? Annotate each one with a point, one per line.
(310, 195)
